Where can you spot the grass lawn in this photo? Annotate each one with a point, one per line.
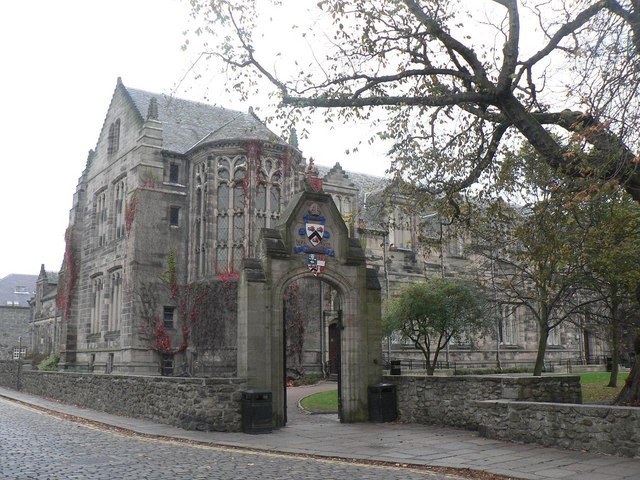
(594, 389)
(321, 402)
(594, 386)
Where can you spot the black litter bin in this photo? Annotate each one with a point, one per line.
(257, 411)
(609, 361)
(395, 368)
(383, 406)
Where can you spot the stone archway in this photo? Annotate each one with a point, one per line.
(293, 251)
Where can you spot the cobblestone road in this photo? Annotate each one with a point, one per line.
(34, 445)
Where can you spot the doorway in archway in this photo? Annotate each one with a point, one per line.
(312, 324)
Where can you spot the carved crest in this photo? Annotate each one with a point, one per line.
(315, 183)
(314, 231)
(316, 263)
(314, 234)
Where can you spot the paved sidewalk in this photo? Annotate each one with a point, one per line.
(324, 435)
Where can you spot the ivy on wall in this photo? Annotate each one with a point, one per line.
(295, 323)
(130, 212)
(67, 281)
(206, 310)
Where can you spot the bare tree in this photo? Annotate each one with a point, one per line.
(452, 85)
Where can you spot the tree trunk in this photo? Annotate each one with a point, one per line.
(630, 393)
(542, 349)
(615, 352)
(431, 366)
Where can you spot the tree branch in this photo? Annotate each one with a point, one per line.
(425, 101)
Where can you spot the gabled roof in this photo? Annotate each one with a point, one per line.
(187, 124)
(370, 189)
(17, 289)
(363, 182)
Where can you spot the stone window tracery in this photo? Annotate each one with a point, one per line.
(115, 304)
(113, 140)
(101, 218)
(119, 209)
(96, 304)
(554, 338)
(230, 213)
(400, 229)
(509, 327)
(271, 179)
(199, 210)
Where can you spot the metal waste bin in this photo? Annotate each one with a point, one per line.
(396, 367)
(257, 411)
(383, 405)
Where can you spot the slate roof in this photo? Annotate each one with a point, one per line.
(10, 287)
(187, 124)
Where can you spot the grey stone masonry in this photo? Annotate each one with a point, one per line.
(453, 401)
(596, 428)
(207, 404)
(10, 373)
(14, 329)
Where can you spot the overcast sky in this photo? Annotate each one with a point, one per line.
(60, 61)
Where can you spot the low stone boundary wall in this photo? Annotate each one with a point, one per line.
(597, 428)
(10, 373)
(452, 401)
(208, 404)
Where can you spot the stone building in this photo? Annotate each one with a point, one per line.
(172, 199)
(45, 317)
(15, 292)
(174, 193)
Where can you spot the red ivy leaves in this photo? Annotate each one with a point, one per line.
(68, 281)
(130, 212)
(163, 339)
(228, 277)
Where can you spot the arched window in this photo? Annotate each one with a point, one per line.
(554, 339)
(401, 229)
(96, 305)
(230, 213)
(509, 325)
(273, 175)
(338, 201)
(100, 204)
(113, 139)
(346, 206)
(115, 304)
(119, 209)
(199, 210)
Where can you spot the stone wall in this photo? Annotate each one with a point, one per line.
(453, 401)
(597, 428)
(208, 404)
(9, 373)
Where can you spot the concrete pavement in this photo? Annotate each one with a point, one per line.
(325, 436)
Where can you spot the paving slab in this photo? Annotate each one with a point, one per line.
(324, 435)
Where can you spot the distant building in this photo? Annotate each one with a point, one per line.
(16, 291)
(45, 320)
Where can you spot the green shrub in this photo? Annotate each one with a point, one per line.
(308, 379)
(50, 364)
(36, 359)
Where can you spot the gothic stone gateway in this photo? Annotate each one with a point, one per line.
(283, 255)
